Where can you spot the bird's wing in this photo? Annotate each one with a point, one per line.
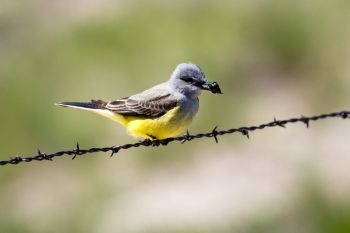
(150, 103)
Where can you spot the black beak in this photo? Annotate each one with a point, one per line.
(213, 87)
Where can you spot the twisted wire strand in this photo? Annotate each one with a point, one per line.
(214, 133)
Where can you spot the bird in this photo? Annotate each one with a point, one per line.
(163, 111)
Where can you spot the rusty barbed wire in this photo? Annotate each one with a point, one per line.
(214, 133)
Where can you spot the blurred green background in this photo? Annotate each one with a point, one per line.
(274, 58)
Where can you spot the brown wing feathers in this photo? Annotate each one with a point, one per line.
(151, 108)
(129, 106)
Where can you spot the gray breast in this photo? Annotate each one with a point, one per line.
(189, 106)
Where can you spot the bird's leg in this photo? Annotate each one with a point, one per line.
(153, 141)
(152, 137)
(149, 140)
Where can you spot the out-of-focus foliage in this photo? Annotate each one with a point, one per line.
(271, 58)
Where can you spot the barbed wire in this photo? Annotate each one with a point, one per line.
(214, 133)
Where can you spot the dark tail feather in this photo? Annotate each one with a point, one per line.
(94, 104)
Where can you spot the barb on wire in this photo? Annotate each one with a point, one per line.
(214, 133)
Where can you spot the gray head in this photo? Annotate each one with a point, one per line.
(190, 80)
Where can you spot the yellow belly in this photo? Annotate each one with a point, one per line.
(170, 124)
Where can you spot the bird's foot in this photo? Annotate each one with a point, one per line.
(152, 137)
(151, 141)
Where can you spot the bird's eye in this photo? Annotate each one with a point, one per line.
(188, 79)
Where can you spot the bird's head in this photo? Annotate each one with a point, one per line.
(189, 79)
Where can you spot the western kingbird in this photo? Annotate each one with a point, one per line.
(160, 112)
